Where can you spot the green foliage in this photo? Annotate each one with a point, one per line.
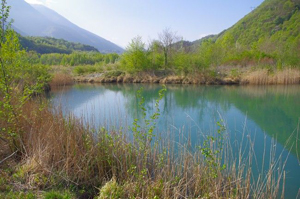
(143, 135)
(76, 59)
(272, 30)
(211, 149)
(18, 195)
(155, 55)
(135, 57)
(210, 54)
(19, 80)
(111, 190)
(46, 45)
(234, 72)
(114, 73)
(184, 62)
(58, 195)
(80, 70)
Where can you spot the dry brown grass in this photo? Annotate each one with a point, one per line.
(61, 79)
(286, 76)
(264, 77)
(68, 148)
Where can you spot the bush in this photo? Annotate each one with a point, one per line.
(80, 70)
(111, 190)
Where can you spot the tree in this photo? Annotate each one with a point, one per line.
(167, 38)
(155, 55)
(19, 81)
(135, 57)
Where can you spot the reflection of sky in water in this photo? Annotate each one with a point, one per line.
(103, 109)
(196, 111)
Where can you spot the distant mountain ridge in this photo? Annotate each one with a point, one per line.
(38, 20)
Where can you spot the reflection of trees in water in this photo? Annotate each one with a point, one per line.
(276, 109)
(150, 94)
(183, 97)
(201, 98)
(262, 91)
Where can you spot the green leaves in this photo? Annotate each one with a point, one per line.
(135, 57)
(19, 81)
(211, 149)
(143, 135)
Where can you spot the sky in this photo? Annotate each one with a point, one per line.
(119, 21)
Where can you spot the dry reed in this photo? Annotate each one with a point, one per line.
(264, 77)
(61, 79)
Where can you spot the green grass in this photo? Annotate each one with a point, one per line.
(87, 69)
(58, 195)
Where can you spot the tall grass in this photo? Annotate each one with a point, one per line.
(264, 76)
(61, 79)
(65, 151)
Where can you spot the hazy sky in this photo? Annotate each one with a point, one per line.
(121, 20)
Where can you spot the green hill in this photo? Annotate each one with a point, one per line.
(45, 45)
(272, 30)
(277, 20)
(268, 36)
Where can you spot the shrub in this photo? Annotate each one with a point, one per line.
(111, 190)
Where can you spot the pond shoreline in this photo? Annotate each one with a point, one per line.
(257, 77)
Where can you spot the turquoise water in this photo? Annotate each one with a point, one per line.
(261, 113)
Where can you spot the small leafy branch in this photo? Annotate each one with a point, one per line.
(212, 151)
(143, 136)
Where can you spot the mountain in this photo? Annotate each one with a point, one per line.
(269, 35)
(272, 29)
(277, 20)
(200, 41)
(189, 46)
(273, 19)
(44, 45)
(38, 20)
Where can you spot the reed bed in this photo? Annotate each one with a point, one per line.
(63, 151)
(264, 77)
(61, 79)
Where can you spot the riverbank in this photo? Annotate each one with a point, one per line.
(221, 76)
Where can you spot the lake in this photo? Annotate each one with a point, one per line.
(259, 113)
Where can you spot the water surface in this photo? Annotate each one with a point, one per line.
(261, 112)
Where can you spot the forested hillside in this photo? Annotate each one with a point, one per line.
(44, 45)
(269, 34)
(274, 20)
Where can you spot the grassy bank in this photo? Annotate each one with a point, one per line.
(219, 76)
(57, 156)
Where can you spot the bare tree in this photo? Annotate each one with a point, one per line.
(167, 38)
